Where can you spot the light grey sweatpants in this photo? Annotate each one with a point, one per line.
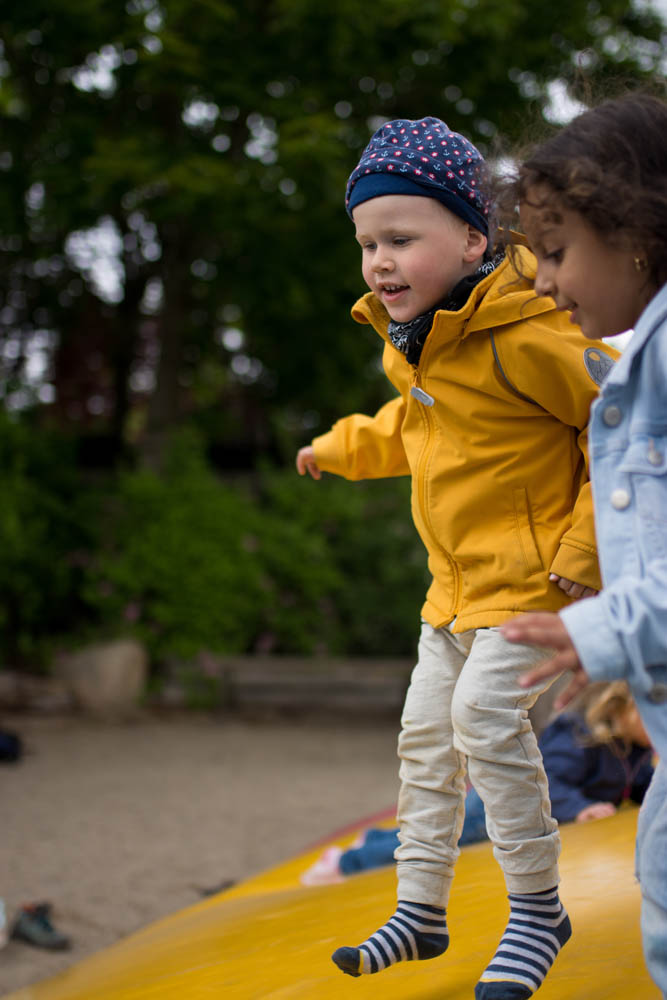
(464, 703)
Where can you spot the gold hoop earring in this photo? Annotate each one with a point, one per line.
(641, 263)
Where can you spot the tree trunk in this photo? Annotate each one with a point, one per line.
(164, 408)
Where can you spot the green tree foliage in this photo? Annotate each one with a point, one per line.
(212, 141)
(47, 531)
(190, 563)
(199, 150)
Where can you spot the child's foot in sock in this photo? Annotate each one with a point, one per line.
(416, 931)
(537, 930)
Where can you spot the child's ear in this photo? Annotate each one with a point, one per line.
(475, 245)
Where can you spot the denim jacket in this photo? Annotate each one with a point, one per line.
(622, 633)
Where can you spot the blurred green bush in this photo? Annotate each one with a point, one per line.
(47, 530)
(188, 561)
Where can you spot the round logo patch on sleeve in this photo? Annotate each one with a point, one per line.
(598, 364)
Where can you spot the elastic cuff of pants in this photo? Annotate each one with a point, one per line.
(535, 882)
(418, 886)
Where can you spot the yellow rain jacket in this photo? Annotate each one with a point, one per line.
(492, 427)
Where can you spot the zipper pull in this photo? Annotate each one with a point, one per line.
(422, 396)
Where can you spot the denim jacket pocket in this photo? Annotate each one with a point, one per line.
(645, 463)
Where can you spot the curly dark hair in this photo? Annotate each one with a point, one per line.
(610, 165)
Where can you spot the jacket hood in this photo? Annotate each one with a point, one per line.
(504, 296)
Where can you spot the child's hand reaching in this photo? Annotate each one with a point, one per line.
(544, 628)
(572, 589)
(305, 463)
(597, 810)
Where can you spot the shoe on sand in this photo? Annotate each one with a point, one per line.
(33, 926)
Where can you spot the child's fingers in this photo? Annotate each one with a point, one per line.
(305, 462)
(598, 810)
(541, 628)
(577, 591)
(549, 668)
(605, 809)
(571, 588)
(578, 682)
(546, 629)
(309, 465)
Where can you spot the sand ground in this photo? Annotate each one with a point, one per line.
(118, 825)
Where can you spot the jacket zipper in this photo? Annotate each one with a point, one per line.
(423, 397)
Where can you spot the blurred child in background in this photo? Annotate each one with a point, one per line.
(596, 755)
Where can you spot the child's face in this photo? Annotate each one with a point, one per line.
(413, 251)
(598, 283)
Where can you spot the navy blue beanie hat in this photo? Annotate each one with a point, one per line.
(422, 157)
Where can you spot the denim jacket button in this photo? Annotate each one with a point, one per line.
(612, 415)
(620, 499)
(658, 694)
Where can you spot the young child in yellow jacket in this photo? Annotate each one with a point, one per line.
(490, 420)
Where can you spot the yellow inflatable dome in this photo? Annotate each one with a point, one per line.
(271, 937)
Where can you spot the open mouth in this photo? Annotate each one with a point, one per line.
(390, 291)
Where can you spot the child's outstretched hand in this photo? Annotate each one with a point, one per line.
(305, 462)
(544, 628)
(597, 810)
(572, 589)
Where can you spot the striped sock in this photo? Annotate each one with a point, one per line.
(537, 930)
(416, 931)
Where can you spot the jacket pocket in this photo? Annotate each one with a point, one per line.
(524, 530)
(645, 465)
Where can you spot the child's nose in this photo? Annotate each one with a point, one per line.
(382, 261)
(544, 284)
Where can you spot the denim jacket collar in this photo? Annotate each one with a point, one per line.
(653, 315)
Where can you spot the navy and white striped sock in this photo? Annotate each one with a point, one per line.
(537, 930)
(416, 931)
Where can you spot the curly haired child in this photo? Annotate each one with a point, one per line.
(593, 203)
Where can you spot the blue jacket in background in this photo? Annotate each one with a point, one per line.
(580, 775)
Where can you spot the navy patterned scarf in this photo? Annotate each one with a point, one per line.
(410, 337)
